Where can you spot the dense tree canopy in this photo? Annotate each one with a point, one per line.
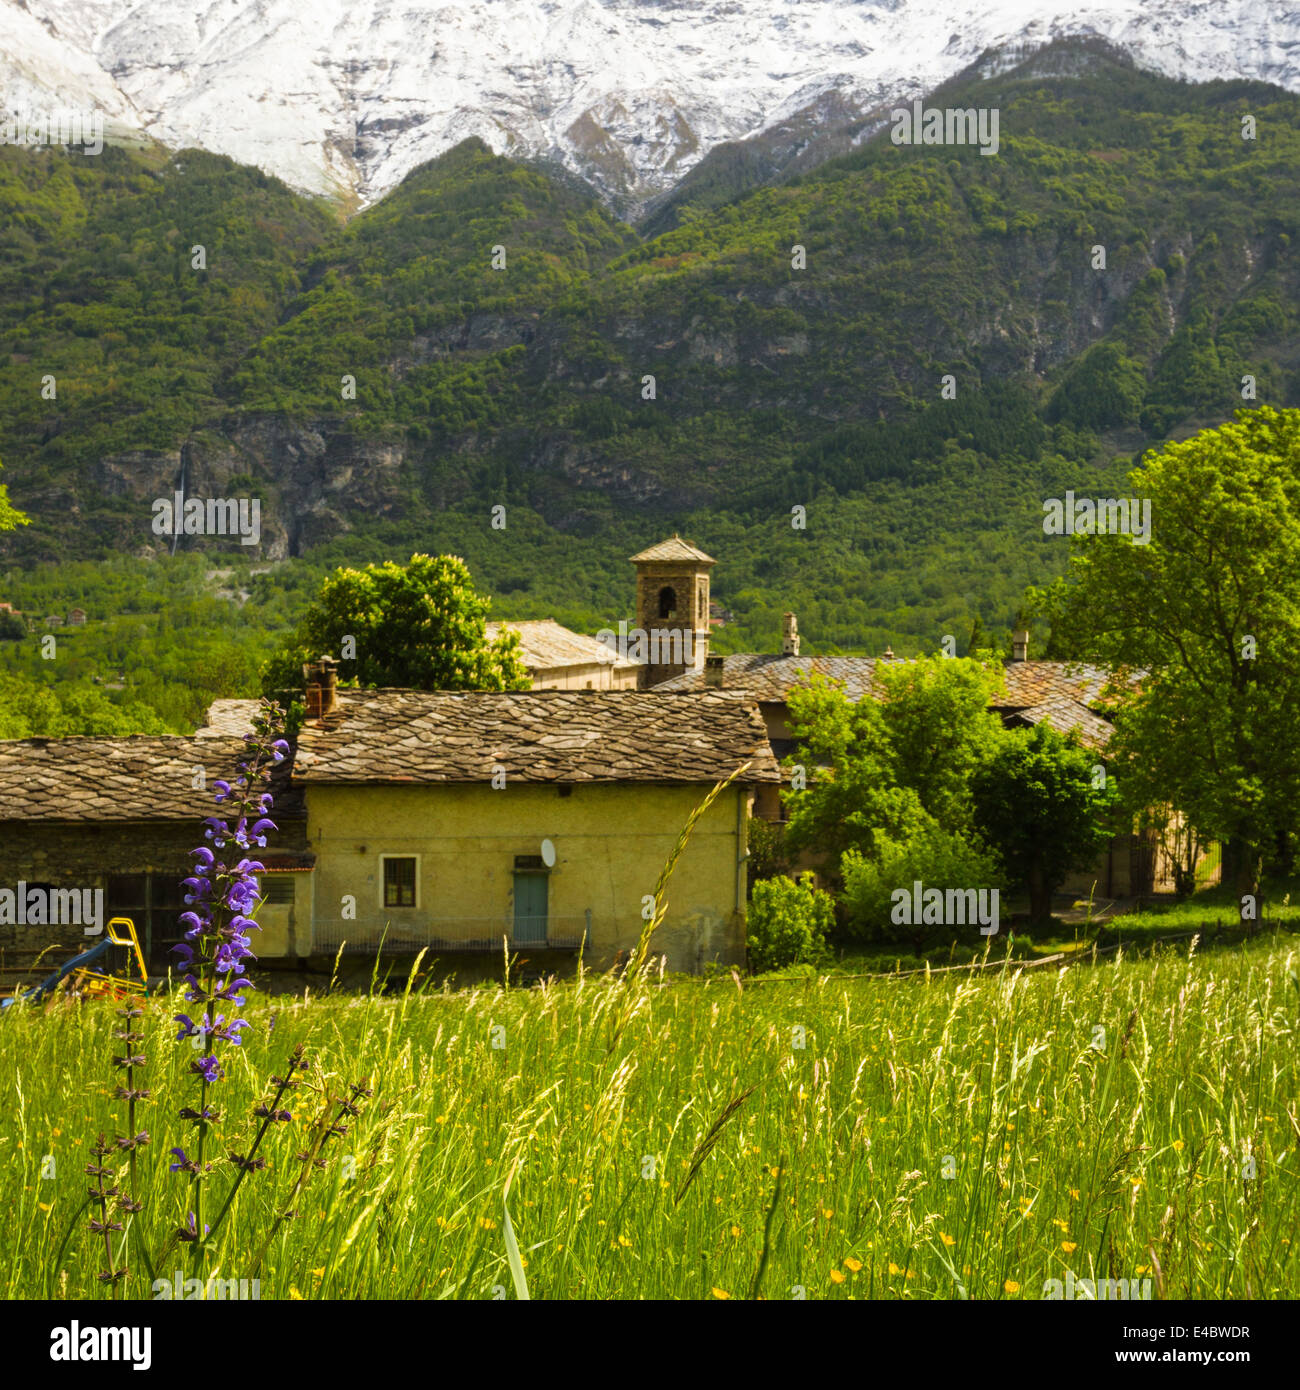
(420, 625)
(1209, 614)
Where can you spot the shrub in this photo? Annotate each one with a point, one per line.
(788, 922)
(937, 857)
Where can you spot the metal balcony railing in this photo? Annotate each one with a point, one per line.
(444, 935)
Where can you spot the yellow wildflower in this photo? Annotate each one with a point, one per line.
(836, 1277)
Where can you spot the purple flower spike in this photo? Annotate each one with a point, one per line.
(220, 899)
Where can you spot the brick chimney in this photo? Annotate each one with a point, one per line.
(1020, 644)
(713, 673)
(321, 679)
(790, 639)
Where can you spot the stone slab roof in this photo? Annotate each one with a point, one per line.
(672, 550)
(771, 677)
(1064, 715)
(229, 719)
(140, 778)
(1033, 682)
(422, 737)
(1066, 695)
(547, 645)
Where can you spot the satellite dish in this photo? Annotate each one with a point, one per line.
(548, 854)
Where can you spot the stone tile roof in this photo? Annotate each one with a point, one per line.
(140, 778)
(229, 719)
(414, 736)
(1065, 695)
(671, 550)
(547, 645)
(771, 677)
(1065, 714)
(1033, 682)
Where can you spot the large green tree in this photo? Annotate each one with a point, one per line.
(1208, 614)
(889, 766)
(1042, 809)
(420, 625)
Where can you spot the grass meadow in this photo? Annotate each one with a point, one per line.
(943, 1137)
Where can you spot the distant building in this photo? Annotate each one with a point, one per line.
(77, 618)
(54, 620)
(560, 659)
(672, 600)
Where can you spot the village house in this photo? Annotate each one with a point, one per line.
(121, 815)
(460, 822)
(469, 822)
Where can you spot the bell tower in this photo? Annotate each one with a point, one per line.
(672, 608)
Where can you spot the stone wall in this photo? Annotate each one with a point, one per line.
(89, 855)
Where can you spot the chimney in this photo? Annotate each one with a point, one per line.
(713, 673)
(321, 679)
(1020, 644)
(889, 653)
(790, 641)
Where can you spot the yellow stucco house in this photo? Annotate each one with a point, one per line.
(463, 821)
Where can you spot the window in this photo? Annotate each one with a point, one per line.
(278, 889)
(154, 903)
(399, 880)
(667, 601)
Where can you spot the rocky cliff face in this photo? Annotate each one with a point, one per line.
(309, 477)
(345, 99)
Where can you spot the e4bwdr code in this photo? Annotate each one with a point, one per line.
(1183, 1333)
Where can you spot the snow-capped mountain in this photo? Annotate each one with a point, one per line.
(346, 96)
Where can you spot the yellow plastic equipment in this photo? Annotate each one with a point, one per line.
(94, 984)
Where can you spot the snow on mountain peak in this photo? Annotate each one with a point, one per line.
(346, 96)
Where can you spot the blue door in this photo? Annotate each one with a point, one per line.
(530, 909)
